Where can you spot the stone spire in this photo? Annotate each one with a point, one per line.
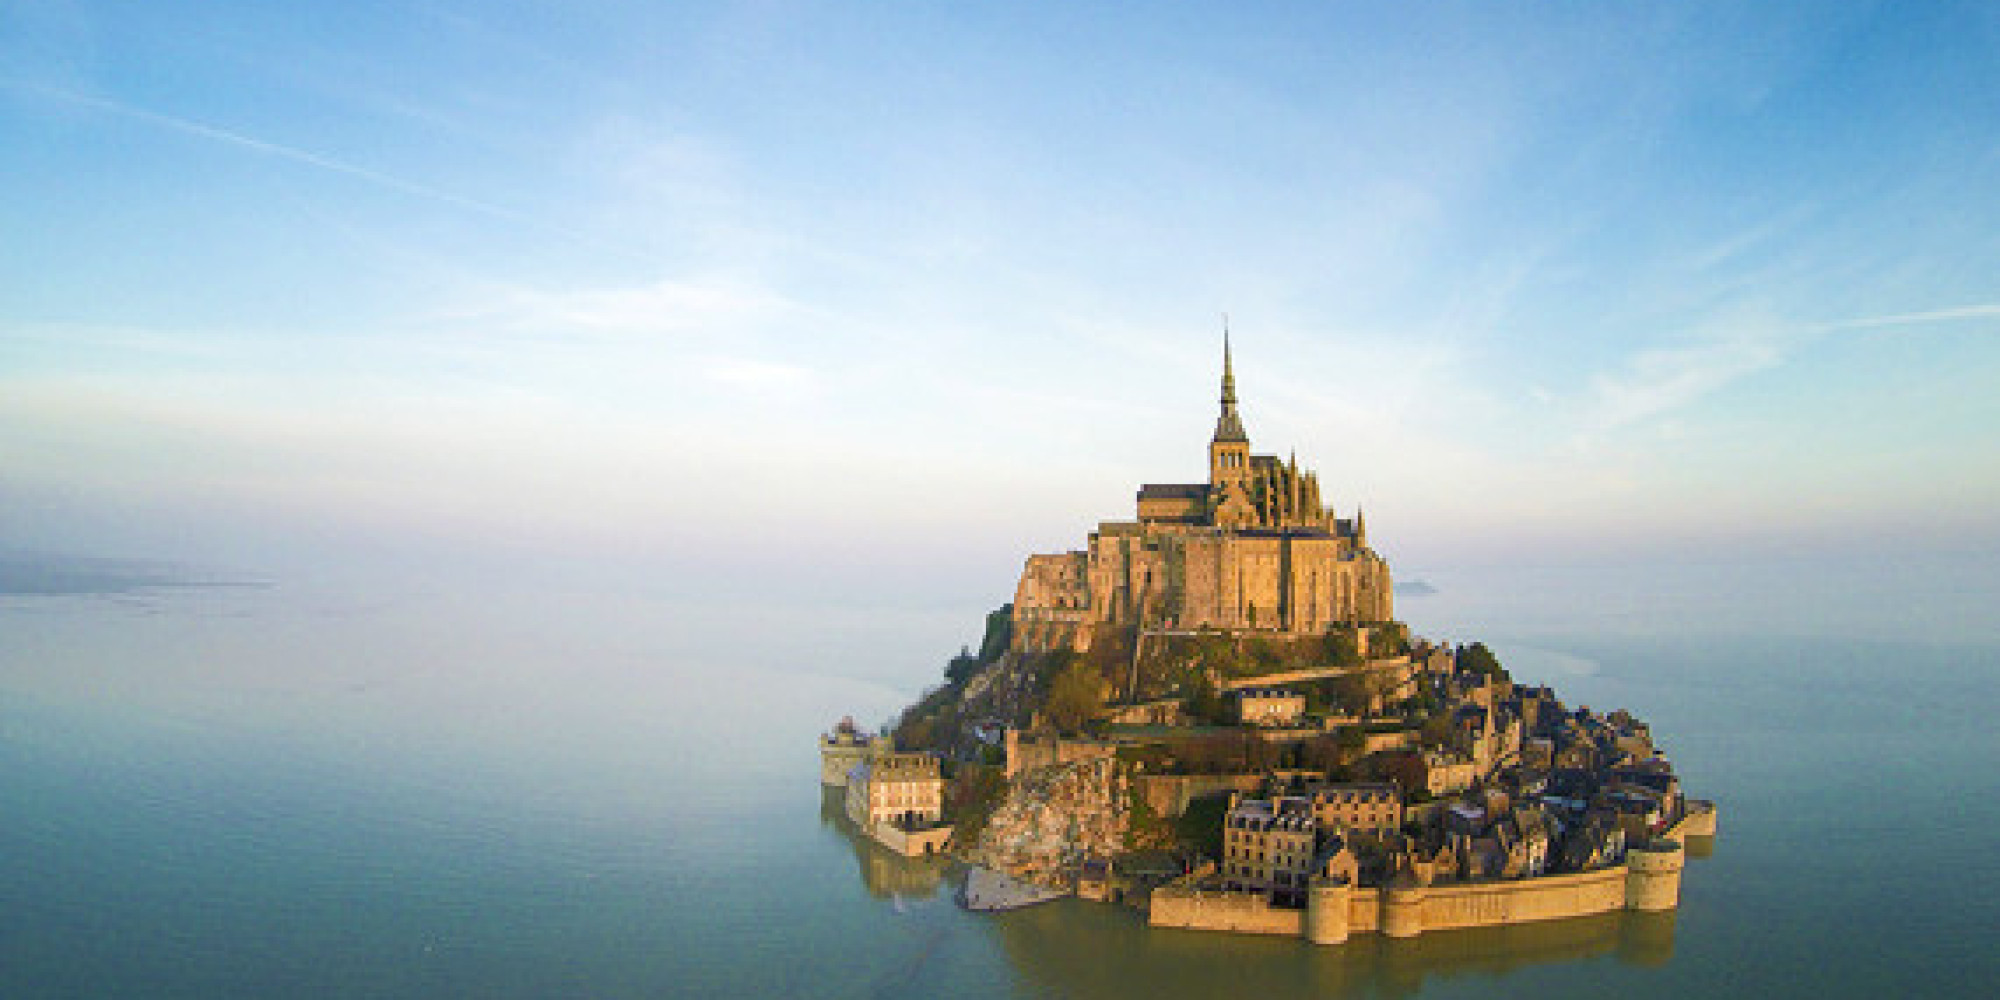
(1229, 426)
(1296, 488)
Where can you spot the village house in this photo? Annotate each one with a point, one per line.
(903, 790)
(1371, 806)
(1269, 844)
(1269, 706)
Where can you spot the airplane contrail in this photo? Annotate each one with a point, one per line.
(1928, 316)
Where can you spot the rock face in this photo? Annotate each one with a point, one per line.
(1005, 689)
(1053, 818)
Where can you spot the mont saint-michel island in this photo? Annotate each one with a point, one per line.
(1210, 714)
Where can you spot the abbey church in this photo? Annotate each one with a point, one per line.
(1251, 549)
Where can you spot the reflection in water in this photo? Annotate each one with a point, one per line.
(1647, 939)
(886, 874)
(1091, 950)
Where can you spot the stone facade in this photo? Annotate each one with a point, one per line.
(1269, 706)
(1374, 807)
(845, 747)
(1251, 549)
(898, 788)
(1046, 748)
(1269, 843)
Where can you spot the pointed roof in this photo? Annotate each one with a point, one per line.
(1229, 426)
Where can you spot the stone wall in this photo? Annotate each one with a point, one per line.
(1397, 669)
(911, 843)
(1198, 577)
(1025, 752)
(1551, 897)
(1434, 908)
(1242, 912)
(1169, 794)
(1051, 603)
(1296, 583)
(839, 753)
(1400, 739)
(1699, 821)
(1648, 882)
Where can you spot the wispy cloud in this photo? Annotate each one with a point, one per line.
(318, 161)
(1728, 251)
(1983, 311)
(1659, 381)
(1663, 380)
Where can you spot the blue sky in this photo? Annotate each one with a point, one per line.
(917, 289)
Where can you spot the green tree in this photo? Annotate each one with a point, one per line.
(1204, 704)
(1480, 660)
(1216, 652)
(1333, 752)
(1075, 697)
(1339, 649)
(1437, 731)
(1200, 826)
(1406, 769)
(1050, 666)
(961, 667)
(1389, 639)
(999, 633)
(1264, 655)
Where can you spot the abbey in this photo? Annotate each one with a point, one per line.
(1251, 549)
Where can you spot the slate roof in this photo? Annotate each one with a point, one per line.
(1173, 491)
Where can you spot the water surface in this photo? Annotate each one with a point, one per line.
(419, 791)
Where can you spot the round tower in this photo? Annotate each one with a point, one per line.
(1653, 876)
(1326, 911)
(1700, 821)
(1403, 909)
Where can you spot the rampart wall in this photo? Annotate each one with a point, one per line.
(1649, 881)
(1398, 668)
(1550, 897)
(1242, 912)
(910, 843)
(1403, 912)
(1026, 752)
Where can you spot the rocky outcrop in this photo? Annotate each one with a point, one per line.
(1005, 689)
(1053, 818)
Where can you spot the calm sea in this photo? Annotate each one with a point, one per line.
(330, 790)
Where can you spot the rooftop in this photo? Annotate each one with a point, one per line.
(1173, 491)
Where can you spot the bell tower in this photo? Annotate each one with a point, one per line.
(1229, 454)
